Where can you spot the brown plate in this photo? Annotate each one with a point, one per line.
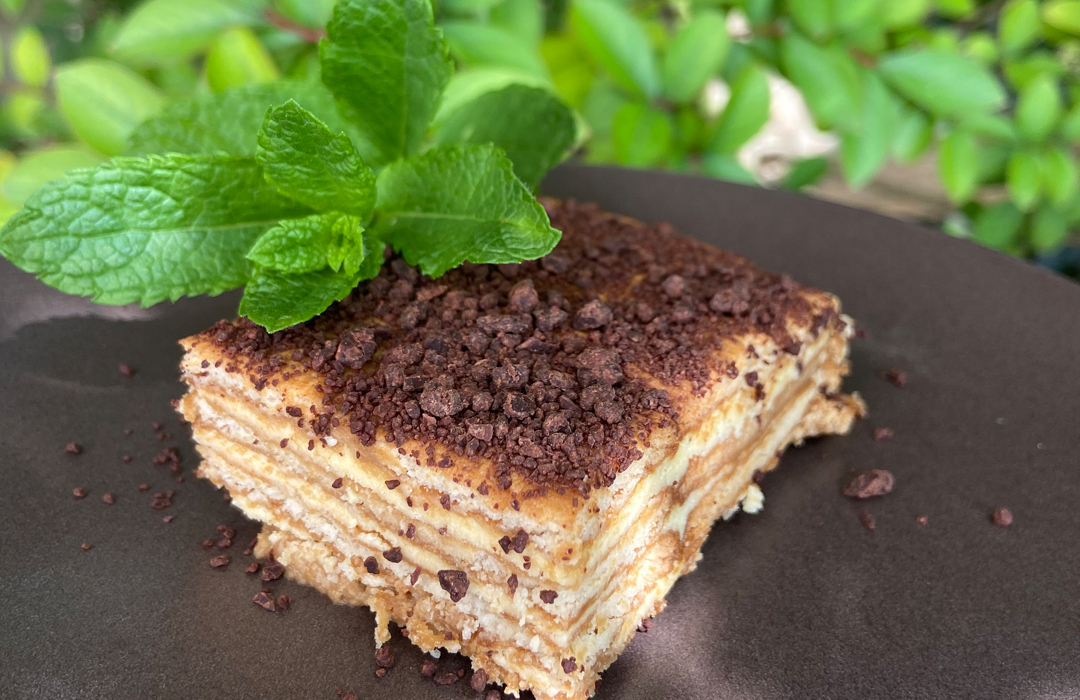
(797, 602)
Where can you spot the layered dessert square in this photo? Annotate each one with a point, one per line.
(517, 462)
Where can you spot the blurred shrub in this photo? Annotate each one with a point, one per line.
(993, 88)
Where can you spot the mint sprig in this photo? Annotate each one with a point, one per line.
(292, 190)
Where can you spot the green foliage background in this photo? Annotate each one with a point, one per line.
(993, 87)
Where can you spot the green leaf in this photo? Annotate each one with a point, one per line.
(1049, 230)
(479, 44)
(276, 300)
(956, 9)
(1070, 125)
(914, 131)
(829, 91)
(310, 13)
(1036, 64)
(229, 123)
(159, 32)
(535, 139)
(146, 229)
(30, 60)
(812, 17)
(309, 244)
(724, 167)
(460, 202)
(618, 43)
(12, 8)
(308, 162)
(1038, 109)
(1063, 15)
(642, 134)
(1018, 24)
(957, 164)
(942, 83)
(980, 47)
(1024, 179)
(469, 84)
(998, 226)
(103, 101)
(849, 15)
(468, 7)
(387, 65)
(746, 112)
(237, 58)
(1060, 177)
(695, 54)
(522, 18)
(36, 168)
(572, 74)
(805, 173)
(863, 152)
(903, 13)
(994, 126)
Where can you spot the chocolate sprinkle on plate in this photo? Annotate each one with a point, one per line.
(86, 547)
(252, 568)
(73, 448)
(922, 519)
(127, 370)
(876, 482)
(867, 520)
(284, 602)
(896, 377)
(428, 667)
(108, 499)
(79, 492)
(479, 680)
(168, 518)
(220, 561)
(446, 678)
(1002, 517)
(883, 433)
(265, 601)
(273, 571)
(384, 656)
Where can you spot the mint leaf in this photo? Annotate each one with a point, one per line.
(146, 229)
(457, 203)
(276, 300)
(387, 65)
(229, 122)
(942, 83)
(306, 161)
(535, 139)
(161, 32)
(295, 246)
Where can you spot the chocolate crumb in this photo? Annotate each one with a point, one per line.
(226, 531)
(79, 492)
(548, 596)
(444, 501)
(410, 531)
(284, 442)
(428, 668)
(415, 576)
(592, 316)
(392, 484)
(445, 678)
(108, 499)
(867, 520)
(493, 695)
(645, 625)
(265, 601)
(479, 680)
(371, 565)
(338, 482)
(224, 543)
(273, 571)
(392, 555)
(126, 458)
(521, 539)
(252, 568)
(284, 602)
(127, 370)
(220, 561)
(73, 448)
(882, 433)
(384, 657)
(569, 665)
(876, 482)
(144, 487)
(896, 377)
(922, 519)
(128, 431)
(208, 543)
(157, 426)
(1002, 517)
(86, 547)
(380, 673)
(456, 583)
(168, 518)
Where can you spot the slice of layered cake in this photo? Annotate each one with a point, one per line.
(518, 462)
